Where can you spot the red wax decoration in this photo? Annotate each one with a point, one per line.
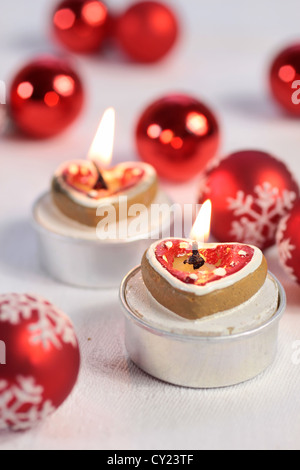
(250, 192)
(284, 79)
(147, 31)
(81, 25)
(288, 242)
(46, 96)
(178, 135)
(41, 356)
(224, 256)
(83, 177)
(131, 177)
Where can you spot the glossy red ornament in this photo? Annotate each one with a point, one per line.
(40, 360)
(46, 96)
(250, 192)
(284, 79)
(288, 242)
(178, 135)
(81, 25)
(147, 31)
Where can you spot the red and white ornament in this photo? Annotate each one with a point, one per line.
(178, 135)
(42, 360)
(288, 243)
(147, 31)
(46, 96)
(250, 192)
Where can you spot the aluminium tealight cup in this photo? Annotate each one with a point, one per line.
(73, 255)
(199, 361)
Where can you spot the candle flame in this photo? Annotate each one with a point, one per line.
(101, 150)
(201, 228)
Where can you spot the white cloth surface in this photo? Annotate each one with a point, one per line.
(223, 58)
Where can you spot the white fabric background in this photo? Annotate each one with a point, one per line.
(223, 58)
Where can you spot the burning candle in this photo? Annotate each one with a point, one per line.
(86, 176)
(88, 195)
(81, 188)
(197, 312)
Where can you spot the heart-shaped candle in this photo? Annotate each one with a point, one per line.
(199, 314)
(196, 280)
(82, 189)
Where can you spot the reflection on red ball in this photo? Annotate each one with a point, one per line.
(81, 25)
(284, 79)
(288, 243)
(147, 31)
(46, 96)
(250, 192)
(178, 135)
(40, 360)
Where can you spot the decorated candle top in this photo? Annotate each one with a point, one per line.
(88, 181)
(219, 261)
(80, 187)
(224, 264)
(196, 279)
(87, 186)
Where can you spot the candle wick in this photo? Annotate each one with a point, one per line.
(100, 184)
(196, 259)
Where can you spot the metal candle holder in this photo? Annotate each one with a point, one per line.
(198, 361)
(69, 256)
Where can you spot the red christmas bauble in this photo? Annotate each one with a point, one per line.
(178, 135)
(285, 79)
(40, 360)
(288, 242)
(81, 25)
(46, 96)
(250, 192)
(147, 31)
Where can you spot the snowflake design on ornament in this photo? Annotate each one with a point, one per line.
(52, 327)
(21, 404)
(259, 213)
(285, 248)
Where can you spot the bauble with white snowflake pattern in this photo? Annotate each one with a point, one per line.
(288, 243)
(250, 191)
(39, 357)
